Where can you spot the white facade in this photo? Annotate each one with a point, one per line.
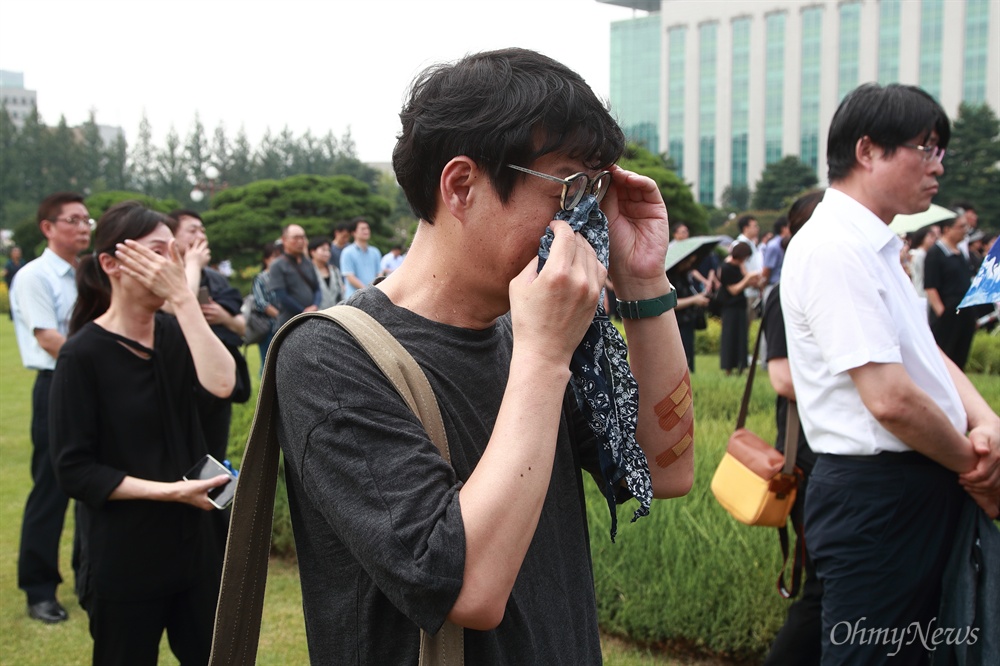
(18, 101)
(944, 24)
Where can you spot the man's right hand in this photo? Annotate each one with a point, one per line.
(198, 254)
(551, 310)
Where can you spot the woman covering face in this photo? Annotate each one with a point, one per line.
(127, 388)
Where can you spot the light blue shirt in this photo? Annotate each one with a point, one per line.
(42, 296)
(362, 264)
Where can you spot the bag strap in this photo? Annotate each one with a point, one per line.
(745, 403)
(791, 437)
(797, 560)
(244, 572)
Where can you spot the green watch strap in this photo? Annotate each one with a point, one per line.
(650, 307)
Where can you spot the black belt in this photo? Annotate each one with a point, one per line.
(881, 458)
(45, 373)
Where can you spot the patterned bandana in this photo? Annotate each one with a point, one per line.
(602, 380)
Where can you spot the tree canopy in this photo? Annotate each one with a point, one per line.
(970, 165)
(681, 205)
(242, 219)
(781, 181)
(37, 160)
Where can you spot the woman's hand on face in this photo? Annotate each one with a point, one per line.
(162, 275)
(195, 493)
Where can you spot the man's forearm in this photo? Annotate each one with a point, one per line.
(354, 281)
(502, 500)
(50, 340)
(934, 300)
(909, 413)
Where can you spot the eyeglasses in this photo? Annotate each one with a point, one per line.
(930, 153)
(575, 186)
(76, 220)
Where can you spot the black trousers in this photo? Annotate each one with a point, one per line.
(798, 642)
(880, 530)
(953, 331)
(45, 510)
(128, 632)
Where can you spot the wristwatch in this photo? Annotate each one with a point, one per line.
(650, 307)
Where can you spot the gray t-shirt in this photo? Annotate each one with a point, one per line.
(375, 509)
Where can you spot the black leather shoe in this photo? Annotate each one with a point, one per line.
(49, 612)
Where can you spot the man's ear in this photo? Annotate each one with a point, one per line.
(460, 178)
(47, 227)
(865, 152)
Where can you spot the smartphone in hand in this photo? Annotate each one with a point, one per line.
(209, 468)
(204, 298)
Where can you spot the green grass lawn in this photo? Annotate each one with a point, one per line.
(25, 642)
(687, 576)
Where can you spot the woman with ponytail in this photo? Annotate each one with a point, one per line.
(125, 429)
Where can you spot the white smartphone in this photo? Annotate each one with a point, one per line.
(209, 468)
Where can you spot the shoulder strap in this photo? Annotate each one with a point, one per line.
(745, 404)
(244, 572)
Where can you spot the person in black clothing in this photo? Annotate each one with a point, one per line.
(798, 641)
(222, 312)
(734, 279)
(690, 302)
(125, 429)
(947, 276)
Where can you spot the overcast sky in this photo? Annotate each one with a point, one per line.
(308, 64)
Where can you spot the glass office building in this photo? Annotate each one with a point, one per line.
(743, 84)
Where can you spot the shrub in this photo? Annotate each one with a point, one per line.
(984, 357)
(4, 298)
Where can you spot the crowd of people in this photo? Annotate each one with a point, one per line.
(136, 351)
(940, 259)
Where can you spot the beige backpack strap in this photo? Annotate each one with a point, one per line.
(244, 573)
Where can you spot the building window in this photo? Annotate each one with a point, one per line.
(850, 47)
(812, 42)
(635, 78)
(706, 170)
(676, 44)
(888, 41)
(774, 85)
(708, 34)
(977, 23)
(740, 100)
(931, 29)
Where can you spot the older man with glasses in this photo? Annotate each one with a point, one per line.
(42, 297)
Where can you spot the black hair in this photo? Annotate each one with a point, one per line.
(498, 107)
(744, 222)
(317, 241)
(741, 250)
(888, 115)
(125, 220)
(269, 250)
(802, 209)
(780, 224)
(51, 206)
(174, 218)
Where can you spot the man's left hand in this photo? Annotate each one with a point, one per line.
(639, 232)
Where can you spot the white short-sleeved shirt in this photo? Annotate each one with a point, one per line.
(847, 302)
(42, 296)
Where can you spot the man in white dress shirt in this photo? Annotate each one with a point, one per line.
(903, 437)
(42, 297)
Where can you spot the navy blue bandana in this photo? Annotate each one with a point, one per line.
(602, 379)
